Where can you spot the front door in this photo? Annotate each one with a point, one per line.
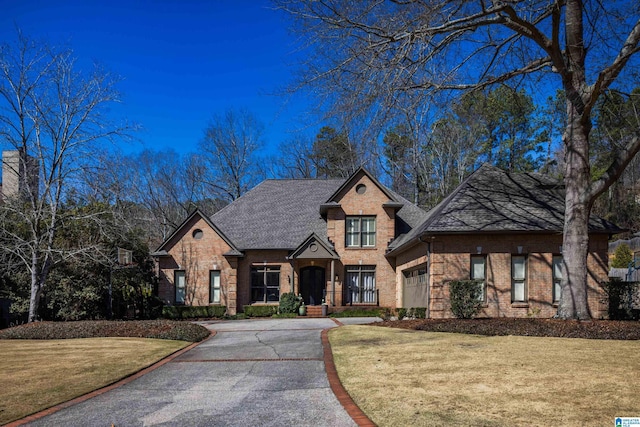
(312, 284)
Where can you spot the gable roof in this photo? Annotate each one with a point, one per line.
(277, 214)
(285, 213)
(161, 249)
(491, 200)
(349, 181)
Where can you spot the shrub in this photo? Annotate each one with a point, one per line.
(289, 303)
(402, 313)
(419, 312)
(193, 312)
(161, 329)
(623, 299)
(465, 298)
(260, 310)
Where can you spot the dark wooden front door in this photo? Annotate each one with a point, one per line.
(312, 284)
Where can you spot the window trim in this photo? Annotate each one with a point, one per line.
(360, 232)
(176, 273)
(555, 296)
(524, 280)
(265, 270)
(360, 271)
(484, 278)
(212, 288)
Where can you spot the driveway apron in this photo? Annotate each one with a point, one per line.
(252, 373)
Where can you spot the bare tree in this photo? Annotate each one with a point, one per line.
(371, 54)
(228, 151)
(52, 116)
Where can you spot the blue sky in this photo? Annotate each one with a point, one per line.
(181, 62)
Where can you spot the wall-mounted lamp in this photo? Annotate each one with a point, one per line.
(337, 278)
(360, 262)
(519, 250)
(215, 266)
(478, 250)
(560, 248)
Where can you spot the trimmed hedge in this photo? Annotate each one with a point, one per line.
(260, 310)
(175, 312)
(161, 329)
(623, 299)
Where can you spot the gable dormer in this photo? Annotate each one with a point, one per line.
(361, 213)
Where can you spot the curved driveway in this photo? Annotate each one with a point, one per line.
(252, 373)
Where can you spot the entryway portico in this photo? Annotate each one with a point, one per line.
(314, 264)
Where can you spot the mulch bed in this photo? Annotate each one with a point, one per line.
(594, 329)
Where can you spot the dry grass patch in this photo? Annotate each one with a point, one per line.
(38, 374)
(404, 377)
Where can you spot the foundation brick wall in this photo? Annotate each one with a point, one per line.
(451, 260)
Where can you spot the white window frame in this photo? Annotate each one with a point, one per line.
(556, 272)
(519, 281)
(180, 281)
(360, 231)
(474, 274)
(214, 286)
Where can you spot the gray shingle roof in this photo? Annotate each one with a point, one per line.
(282, 213)
(277, 214)
(492, 200)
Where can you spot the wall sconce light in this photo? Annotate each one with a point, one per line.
(560, 248)
(519, 250)
(215, 266)
(337, 278)
(360, 262)
(478, 250)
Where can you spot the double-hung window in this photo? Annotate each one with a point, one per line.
(265, 284)
(181, 285)
(214, 287)
(478, 272)
(360, 232)
(518, 278)
(361, 284)
(557, 277)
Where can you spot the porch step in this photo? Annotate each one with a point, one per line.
(314, 311)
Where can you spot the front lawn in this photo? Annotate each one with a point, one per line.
(408, 377)
(37, 374)
(46, 363)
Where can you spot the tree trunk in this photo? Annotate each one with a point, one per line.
(575, 246)
(36, 290)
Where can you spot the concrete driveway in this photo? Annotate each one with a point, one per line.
(252, 373)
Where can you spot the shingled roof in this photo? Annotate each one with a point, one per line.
(277, 213)
(494, 201)
(282, 213)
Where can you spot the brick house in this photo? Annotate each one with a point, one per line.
(355, 242)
